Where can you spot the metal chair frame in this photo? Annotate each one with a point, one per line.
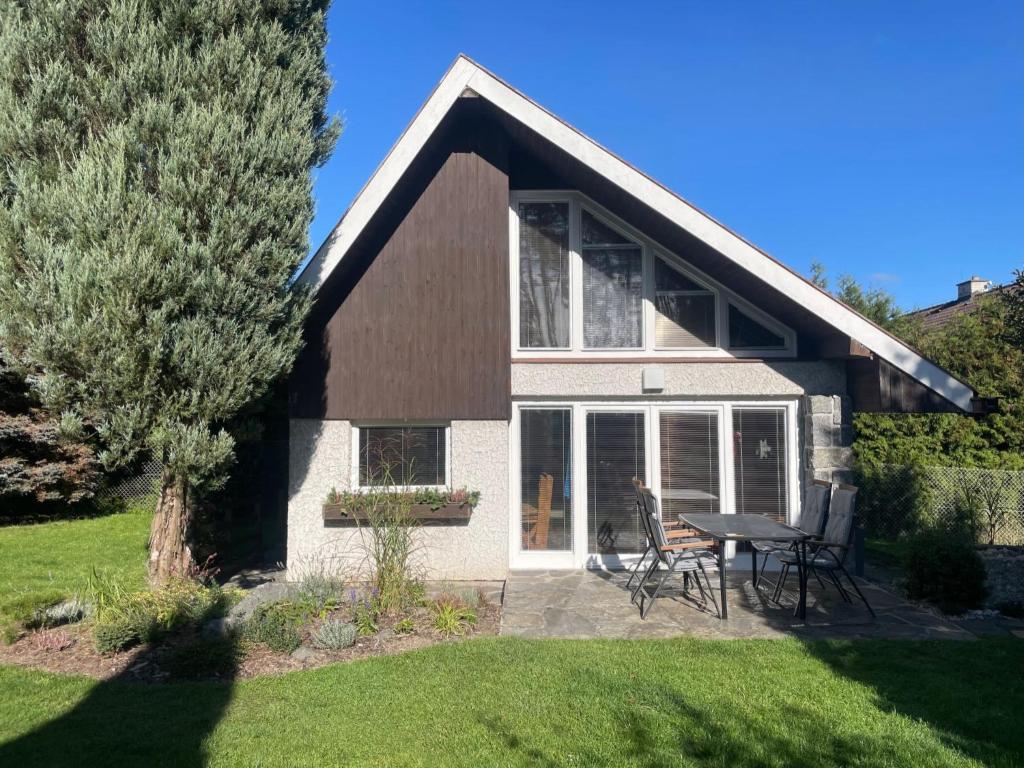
(690, 561)
(830, 551)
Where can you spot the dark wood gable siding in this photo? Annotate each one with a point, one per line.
(877, 386)
(416, 325)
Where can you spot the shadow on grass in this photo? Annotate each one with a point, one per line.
(968, 693)
(124, 722)
(655, 723)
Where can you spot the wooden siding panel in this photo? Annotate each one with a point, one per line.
(876, 386)
(419, 329)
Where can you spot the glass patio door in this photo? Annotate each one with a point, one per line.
(616, 452)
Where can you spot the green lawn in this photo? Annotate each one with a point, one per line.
(58, 557)
(507, 702)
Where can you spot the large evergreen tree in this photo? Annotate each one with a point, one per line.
(155, 196)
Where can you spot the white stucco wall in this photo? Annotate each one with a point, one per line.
(320, 454)
(320, 458)
(682, 380)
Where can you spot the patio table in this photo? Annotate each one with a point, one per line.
(725, 528)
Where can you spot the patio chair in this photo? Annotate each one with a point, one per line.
(828, 553)
(678, 555)
(537, 537)
(672, 531)
(813, 511)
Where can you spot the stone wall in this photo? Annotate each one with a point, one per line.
(828, 438)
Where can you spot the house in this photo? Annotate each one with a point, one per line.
(517, 311)
(969, 295)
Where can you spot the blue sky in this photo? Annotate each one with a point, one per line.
(885, 140)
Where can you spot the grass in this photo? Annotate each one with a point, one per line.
(509, 702)
(43, 562)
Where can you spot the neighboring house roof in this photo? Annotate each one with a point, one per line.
(938, 315)
(465, 77)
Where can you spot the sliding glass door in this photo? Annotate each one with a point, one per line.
(616, 453)
(573, 498)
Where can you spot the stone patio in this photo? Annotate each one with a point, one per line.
(592, 604)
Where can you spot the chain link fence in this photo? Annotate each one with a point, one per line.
(895, 501)
(139, 485)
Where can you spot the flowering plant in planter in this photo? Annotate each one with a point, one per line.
(434, 498)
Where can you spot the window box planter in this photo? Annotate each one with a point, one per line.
(338, 512)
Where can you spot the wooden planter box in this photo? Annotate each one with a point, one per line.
(337, 512)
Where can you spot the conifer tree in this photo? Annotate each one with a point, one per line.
(155, 196)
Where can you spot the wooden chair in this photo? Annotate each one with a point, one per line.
(540, 516)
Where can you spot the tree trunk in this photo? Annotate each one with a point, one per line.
(169, 552)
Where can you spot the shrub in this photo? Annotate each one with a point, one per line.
(364, 614)
(25, 611)
(128, 627)
(321, 591)
(125, 618)
(277, 625)
(334, 635)
(945, 569)
(451, 615)
(405, 627)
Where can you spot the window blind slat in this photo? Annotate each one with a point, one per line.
(689, 463)
(685, 315)
(612, 297)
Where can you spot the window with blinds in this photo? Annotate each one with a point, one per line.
(612, 287)
(544, 271)
(545, 436)
(689, 451)
(685, 310)
(747, 333)
(759, 461)
(615, 455)
(402, 456)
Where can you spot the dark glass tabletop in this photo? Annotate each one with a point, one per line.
(742, 527)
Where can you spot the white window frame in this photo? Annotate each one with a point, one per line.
(650, 250)
(354, 464)
(580, 556)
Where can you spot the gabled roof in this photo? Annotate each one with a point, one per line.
(466, 77)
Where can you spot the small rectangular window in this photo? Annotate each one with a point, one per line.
(685, 310)
(544, 275)
(402, 456)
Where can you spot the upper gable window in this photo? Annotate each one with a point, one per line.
(612, 287)
(685, 310)
(544, 280)
(747, 333)
(585, 284)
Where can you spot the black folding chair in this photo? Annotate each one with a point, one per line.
(680, 555)
(828, 554)
(673, 532)
(813, 511)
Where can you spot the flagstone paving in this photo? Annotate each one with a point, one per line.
(592, 604)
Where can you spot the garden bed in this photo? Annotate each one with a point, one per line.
(189, 654)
